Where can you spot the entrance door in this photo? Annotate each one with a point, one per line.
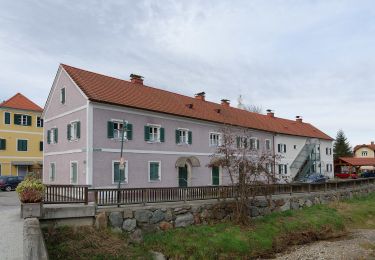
(215, 175)
(182, 176)
(22, 170)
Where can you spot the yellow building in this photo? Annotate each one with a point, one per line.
(365, 151)
(21, 136)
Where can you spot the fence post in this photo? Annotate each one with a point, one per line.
(309, 187)
(325, 187)
(86, 195)
(96, 197)
(291, 190)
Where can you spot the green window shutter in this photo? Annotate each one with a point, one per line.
(48, 136)
(2, 144)
(7, 118)
(129, 131)
(41, 146)
(22, 145)
(190, 137)
(69, 131)
(162, 134)
(257, 144)
(284, 148)
(25, 145)
(154, 171)
(19, 145)
(245, 142)
(63, 96)
(78, 129)
(17, 119)
(238, 141)
(147, 133)
(110, 129)
(215, 175)
(55, 135)
(177, 136)
(279, 148)
(29, 120)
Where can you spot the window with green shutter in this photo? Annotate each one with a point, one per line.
(154, 171)
(21, 145)
(62, 96)
(118, 174)
(184, 136)
(7, 118)
(115, 130)
(190, 137)
(162, 134)
(17, 119)
(41, 146)
(48, 136)
(73, 131)
(2, 144)
(110, 129)
(215, 175)
(129, 131)
(154, 133)
(55, 135)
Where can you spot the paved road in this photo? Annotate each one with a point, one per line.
(11, 227)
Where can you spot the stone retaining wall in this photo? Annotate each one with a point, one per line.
(138, 219)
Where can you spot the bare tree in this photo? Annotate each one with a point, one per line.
(248, 165)
(254, 109)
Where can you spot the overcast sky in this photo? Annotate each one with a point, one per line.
(308, 58)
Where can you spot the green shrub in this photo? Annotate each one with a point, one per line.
(31, 190)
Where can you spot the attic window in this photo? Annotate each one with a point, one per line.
(189, 106)
(218, 110)
(62, 96)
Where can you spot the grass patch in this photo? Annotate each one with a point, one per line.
(268, 235)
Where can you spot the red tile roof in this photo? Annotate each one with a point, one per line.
(105, 89)
(19, 101)
(370, 146)
(358, 161)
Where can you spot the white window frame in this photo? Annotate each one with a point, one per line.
(61, 101)
(10, 118)
(52, 135)
(148, 172)
(255, 140)
(126, 172)
(24, 118)
(269, 167)
(364, 153)
(214, 144)
(265, 144)
(282, 148)
(27, 145)
(73, 130)
(39, 119)
(181, 137)
(71, 172)
(118, 136)
(284, 166)
(154, 137)
(52, 177)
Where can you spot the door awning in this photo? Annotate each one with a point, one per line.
(22, 163)
(192, 160)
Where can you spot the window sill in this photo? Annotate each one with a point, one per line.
(119, 139)
(183, 144)
(153, 181)
(154, 142)
(74, 140)
(122, 183)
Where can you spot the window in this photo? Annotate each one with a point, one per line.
(3, 143)
(73, 172)
(154, 171)
(268, 144)
(52, 172)
(24, 120)
(74, 131)
(241, 142)
(283, 169)
(41, 146)
(329, 167)
(364, 153)
(254, 143)
(39, 122)
(52, 136)
(269, 167)
(183, 136)
(62, 96)
(281, 148)
(118, 174)
(114, 130)
(154, 133)
(295, 147)
(7, 118)
(215, 139)
(330, 151)
(215, 173)
(22, 145)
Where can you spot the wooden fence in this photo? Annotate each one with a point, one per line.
(65, 194)
(107, 197)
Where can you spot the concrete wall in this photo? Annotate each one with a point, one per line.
(33, 242)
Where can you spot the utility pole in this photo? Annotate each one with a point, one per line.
(122, 163)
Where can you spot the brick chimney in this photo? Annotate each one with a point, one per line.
(299, 119)
(270, 113)
(372, 142)
(225, 102)
(201, 96)
(136, 79)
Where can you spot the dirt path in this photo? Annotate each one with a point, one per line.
(360, 244)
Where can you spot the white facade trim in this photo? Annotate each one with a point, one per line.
(66, 113)
(65, 152)
(21, 157)
(89, 143)
(107, 150)
(21, 132)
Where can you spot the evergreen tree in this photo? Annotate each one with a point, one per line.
(341, 146)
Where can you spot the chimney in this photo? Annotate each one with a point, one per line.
(299, 119)
(270, 113)
(225, 102)
(136, 79)
(201, 96)
(372, 142)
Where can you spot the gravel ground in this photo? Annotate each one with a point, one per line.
(360, 244)
(11, 227)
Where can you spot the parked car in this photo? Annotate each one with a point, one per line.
(9, 183)
(368, 175)
(314, 178)
(346, 175)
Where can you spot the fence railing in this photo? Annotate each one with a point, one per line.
(65, 194)
(126, 196)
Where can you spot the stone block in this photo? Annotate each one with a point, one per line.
(157, 216)
(101, 221)
(116, 219)
(254, 212)
(308, 203)
(129, 224)
(143, 215)
(184, 220)
(165, 225)
(128, 213)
